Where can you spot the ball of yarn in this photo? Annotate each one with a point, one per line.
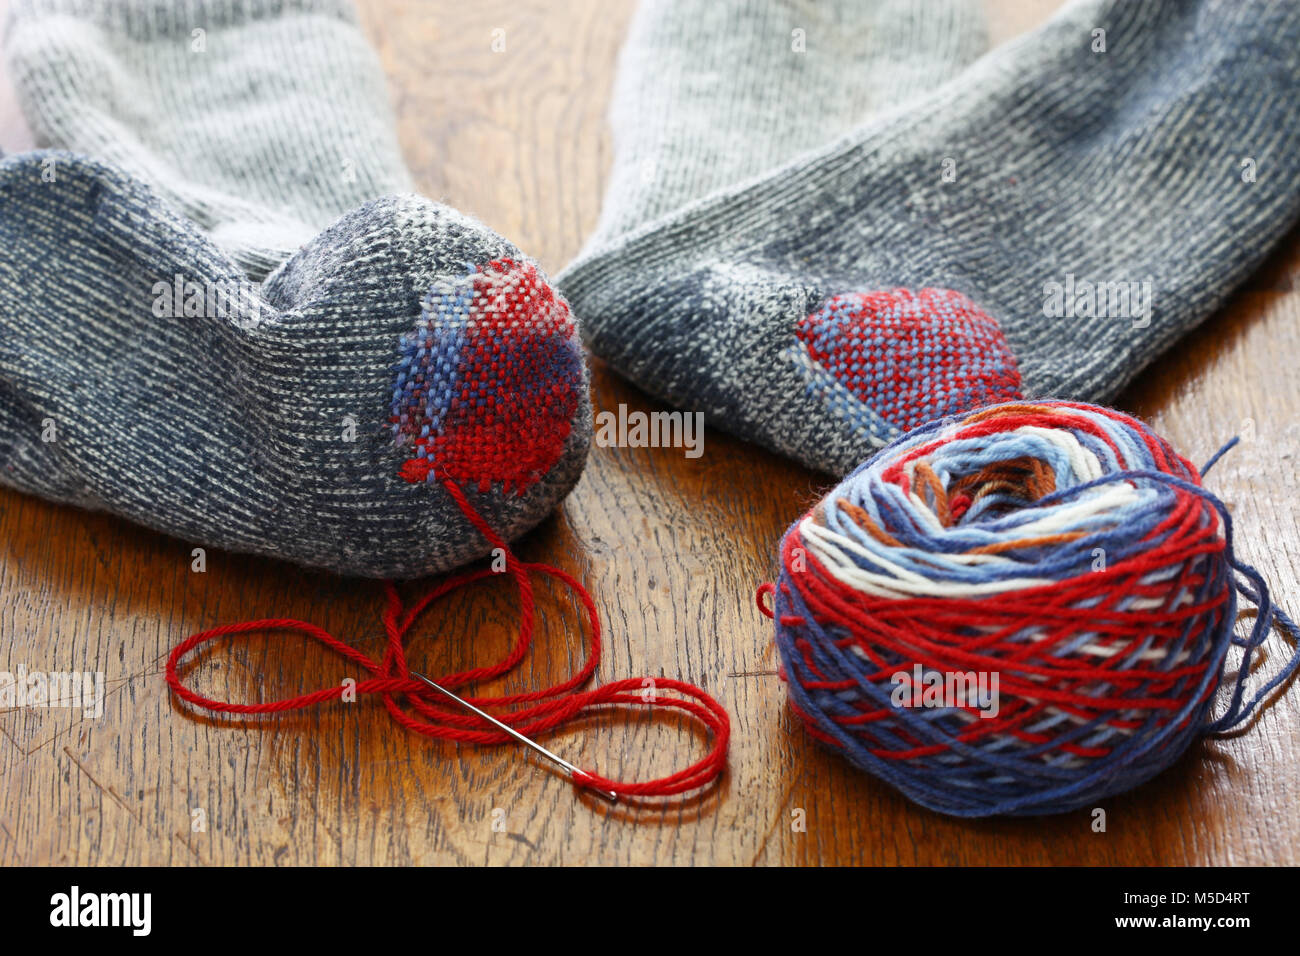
(1021, 611)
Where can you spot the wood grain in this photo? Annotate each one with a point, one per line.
(671, 548)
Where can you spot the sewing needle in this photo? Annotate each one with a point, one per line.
(579, 777)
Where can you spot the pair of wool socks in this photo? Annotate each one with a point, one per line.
(223, 314)
(826, 226)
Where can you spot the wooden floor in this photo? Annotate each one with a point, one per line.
(671, 547)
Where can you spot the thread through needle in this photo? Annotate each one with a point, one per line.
(579, 777)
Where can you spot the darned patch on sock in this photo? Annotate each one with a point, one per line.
(488, 381)
(908, 357)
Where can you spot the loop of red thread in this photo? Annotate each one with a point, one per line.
(769, 589)
(432, 716)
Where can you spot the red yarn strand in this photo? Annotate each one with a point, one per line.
(546, 710)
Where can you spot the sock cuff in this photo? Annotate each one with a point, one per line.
(149, 19)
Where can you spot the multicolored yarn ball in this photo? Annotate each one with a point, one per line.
(1021, 611)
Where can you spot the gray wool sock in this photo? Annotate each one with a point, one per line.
(310, 416)
(1044, 224)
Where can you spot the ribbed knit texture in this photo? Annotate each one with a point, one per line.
(285, 417)
(824, 306)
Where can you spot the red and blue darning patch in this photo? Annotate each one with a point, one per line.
(910, 357)
(489, 379)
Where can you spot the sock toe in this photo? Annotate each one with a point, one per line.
(908, 357)
(458, 361)
(488, 381)
(796, 363)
